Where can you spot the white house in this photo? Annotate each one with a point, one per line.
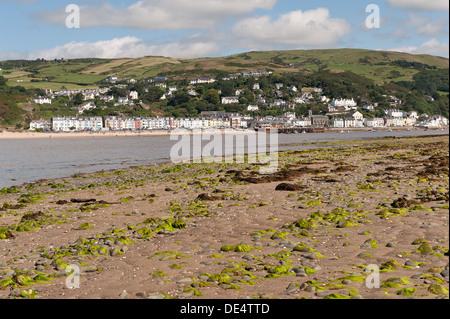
(337, 122)
(394, 113)
(354, 119)
(41, 125)
(86, 107)
(302, 122)
(323, 99)
(368, 107)
(289, 116)
(435, 121)
(112, 79)
(346, 103)
(67, 124)
(88, 96)
(230, 100)
(252, 108)
(123, 101)
(375, 122)
(134, 95)
(42, 100)
(300, 100)
(395, 121)
(107, 98)
(202, 81)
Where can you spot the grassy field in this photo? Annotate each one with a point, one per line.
(374, 65)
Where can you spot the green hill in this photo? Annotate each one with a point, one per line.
(76, 73)
(366, 70)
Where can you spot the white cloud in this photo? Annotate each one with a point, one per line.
(126, 47)
(427, 26)
(161, 14)
(313, 28)
(428, 5)
(432, 47)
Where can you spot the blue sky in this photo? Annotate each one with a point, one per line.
(198, 28)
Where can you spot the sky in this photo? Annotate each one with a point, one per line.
(32, 29)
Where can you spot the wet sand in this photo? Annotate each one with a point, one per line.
(224, 231)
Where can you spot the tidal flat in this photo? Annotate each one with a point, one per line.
(225, 231)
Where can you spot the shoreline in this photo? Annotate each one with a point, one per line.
(64, 135)
(322, 145)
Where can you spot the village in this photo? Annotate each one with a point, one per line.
(343, 113)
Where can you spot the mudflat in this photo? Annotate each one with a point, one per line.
(368, 220)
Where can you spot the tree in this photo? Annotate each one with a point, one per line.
(154, 94)
(78, 99)
(212, 97)
(2, 81)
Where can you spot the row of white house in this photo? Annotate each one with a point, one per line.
(113, 123)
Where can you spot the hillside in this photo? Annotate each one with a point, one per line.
(365, 69)
(76, 73)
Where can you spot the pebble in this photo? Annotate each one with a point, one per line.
(207, 263)
(186, 294)
(155, 295)
(292, 288)
(123, 294)
(391, 244)
(298, 270)
(410, 263)
(203, 277)
(15, 292)
(86, 269)
(141, 295)
(310, 289)
(184, 281)
(323, 293)
(115, 251)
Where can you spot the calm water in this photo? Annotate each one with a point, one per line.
(23, 161)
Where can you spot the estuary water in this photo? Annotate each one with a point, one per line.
(29, 160)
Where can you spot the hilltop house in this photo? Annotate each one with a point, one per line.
(252, 108)
(134, 95)
(394, 113)
(42, 100)
(202, 81)
(230, 100)
(86, 107)
(346, 103)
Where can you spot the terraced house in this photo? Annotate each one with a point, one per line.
(68, 124)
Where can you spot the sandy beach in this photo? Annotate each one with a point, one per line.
(6, 135)
(224, 231)
(58, 135)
